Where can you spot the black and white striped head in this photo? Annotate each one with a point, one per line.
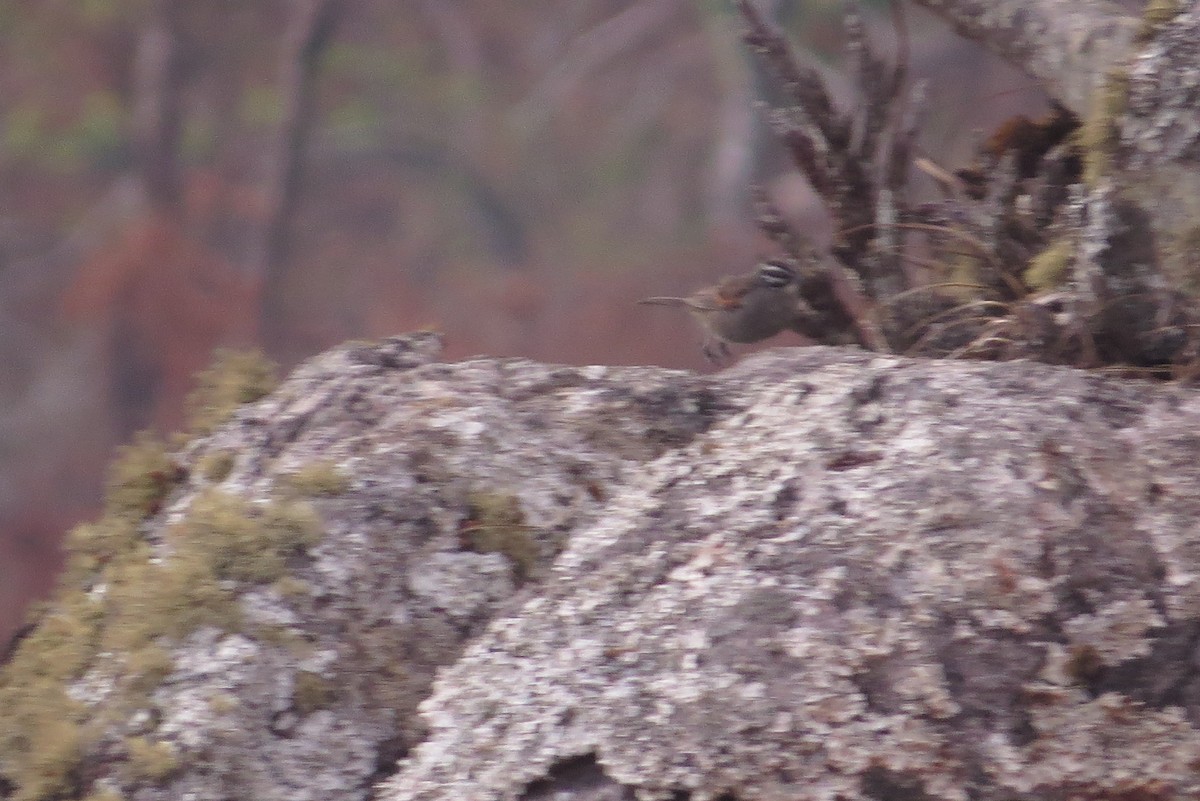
(775, 274)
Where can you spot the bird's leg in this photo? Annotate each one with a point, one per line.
(716, 350)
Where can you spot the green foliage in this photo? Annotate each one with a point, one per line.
(356, 124)
(94, 136)
(261, 107)
(24, 131)
(395, 68)
(99, 135)
(234, 379)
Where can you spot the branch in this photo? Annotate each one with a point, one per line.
(1066, 46)
(158, 75)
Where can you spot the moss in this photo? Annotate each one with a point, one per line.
(1184, 250)
(286, 639)
(290, 526)
(40, 732)
(312, 692)
(224, 703)
(496, 524)
(241, 542)
(62, 644)
(93, 545)
(1098, 136)
(140, 478)
(235, 378)
(1051, 267)
(321, 477)
(223, 528)
(104, 795)
(148, 666)
(290, 587)
(54, 749)
(216, 466)
(150, 761)
(43, 731)
(171, 597)
(1156, 14)
(1083, 664)
(124, 598)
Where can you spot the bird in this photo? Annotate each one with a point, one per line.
(743, 308)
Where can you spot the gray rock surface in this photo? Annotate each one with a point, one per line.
(442, 491)
(879, 579)
(821, 574)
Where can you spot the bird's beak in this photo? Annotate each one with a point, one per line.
(689, 303)
(664, 301)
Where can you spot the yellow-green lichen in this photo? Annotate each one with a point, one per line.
(496, 524)
(312, 692)
(1051, 267)
(216, 465)
(1098, 135)
(320, 477)
(234, 379)
(149, 761)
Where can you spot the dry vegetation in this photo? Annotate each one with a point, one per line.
(179, 177)
(1035, 250)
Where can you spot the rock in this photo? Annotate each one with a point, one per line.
(880, 579)
(822, 574)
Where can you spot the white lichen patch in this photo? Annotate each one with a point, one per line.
(1117, 631)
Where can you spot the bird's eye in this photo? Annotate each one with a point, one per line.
(774, 274)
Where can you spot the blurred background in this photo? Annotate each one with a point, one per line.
(287, 174)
